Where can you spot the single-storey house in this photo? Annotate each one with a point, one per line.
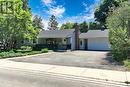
(68, 39)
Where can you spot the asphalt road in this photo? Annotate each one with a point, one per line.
(26, 78)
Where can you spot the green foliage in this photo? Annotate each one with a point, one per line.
(45, 50)
(83, 27)
(119, 35)
(16, 27)
(25, 49)
(10, 54)
(53, 24)
(105, 7)
(95, 26)
(127, 64)
(68, 25)
(37, 23)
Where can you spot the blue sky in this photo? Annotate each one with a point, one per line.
(64, 10)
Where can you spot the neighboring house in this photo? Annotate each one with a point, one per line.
(66, 39)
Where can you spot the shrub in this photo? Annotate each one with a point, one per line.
(127, 64)
(25, 49)
(10, 54)
(119, 33)
(45, 50)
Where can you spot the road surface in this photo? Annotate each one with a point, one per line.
(25, 78)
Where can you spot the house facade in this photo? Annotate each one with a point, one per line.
(73, 39)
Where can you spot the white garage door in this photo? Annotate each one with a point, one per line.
(98, 44)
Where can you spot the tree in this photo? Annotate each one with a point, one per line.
(52, 25)
(37, 23)
(83, 27)
(16, 27)
(95, 26)
(119, 25)
(67, 25)
(103, 10)
(25, 4)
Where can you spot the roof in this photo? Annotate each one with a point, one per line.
(56, 33)
(95, 34)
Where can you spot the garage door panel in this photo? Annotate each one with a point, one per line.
(98, 44)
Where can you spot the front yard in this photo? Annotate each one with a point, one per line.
(23, 51)
(86, 59)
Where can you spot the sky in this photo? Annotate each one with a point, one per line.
(64, 10)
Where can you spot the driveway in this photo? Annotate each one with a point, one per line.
(89, 59)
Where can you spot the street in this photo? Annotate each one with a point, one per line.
(26, 78)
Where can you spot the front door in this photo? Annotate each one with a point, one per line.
(86, 44)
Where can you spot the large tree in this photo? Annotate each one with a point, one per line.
(105, 7)
(53, 24)
(67, 25)
(119, 25)
(37, 23)
(95, 26)
(17, 26)
(83, 27)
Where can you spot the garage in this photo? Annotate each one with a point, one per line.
(98, 43)
(96, 40)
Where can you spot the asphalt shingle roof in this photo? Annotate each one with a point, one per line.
(56, 33)
(95, 34)
(68, 33)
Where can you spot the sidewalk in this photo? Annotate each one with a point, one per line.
(107, 75)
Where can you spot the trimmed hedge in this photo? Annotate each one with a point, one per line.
(10, 54)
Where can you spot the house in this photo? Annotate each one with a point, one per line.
(70, 38)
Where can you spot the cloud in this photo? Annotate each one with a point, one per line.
(89, 10)
(57, 11)
(87, 15)
(47, 2)
(78, 19)
(45, 22)
(53, 9)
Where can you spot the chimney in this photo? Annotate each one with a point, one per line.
(77, 36)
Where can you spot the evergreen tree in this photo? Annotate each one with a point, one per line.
(53, 24)
(37, 23)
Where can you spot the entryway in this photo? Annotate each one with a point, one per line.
(86, 44)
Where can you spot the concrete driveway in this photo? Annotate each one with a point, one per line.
(89, 59)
